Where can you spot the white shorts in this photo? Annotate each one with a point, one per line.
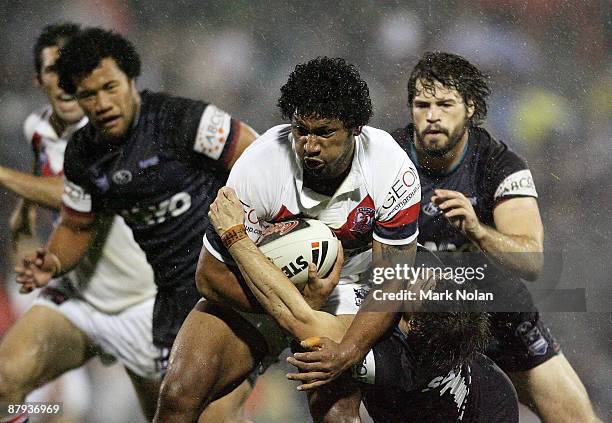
(126, 336)
(346, 298)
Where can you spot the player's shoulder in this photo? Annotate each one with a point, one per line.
(79, 149)
(167, 104)
(379, 151)
(491, 150)
(34, 120)
(269, 155)
(272, 145)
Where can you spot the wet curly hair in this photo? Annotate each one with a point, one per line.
(84, 52)
(452, 71)
(54, 35)
(327, 88)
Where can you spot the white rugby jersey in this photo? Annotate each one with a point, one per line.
(120, 276)
(379, 199)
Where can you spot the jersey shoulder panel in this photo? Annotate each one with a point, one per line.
(78, 154)
(33, 120)
(504, 173)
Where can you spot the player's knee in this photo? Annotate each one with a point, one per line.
(337, 414)
(179, 394)
(12, 387)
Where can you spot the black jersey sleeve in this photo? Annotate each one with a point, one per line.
(505, 175)
(204, 133)
(77, 196)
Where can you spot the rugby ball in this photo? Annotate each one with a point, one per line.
(293, 244)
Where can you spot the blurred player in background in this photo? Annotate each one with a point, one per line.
(327, 164)
(480, 196)
(154, 159)
(105, 304)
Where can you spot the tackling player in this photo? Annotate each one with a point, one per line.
(105, 304)
(329, 165)
(154, 159)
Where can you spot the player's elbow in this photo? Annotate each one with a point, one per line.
(205, 282)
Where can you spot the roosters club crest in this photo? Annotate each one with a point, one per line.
(363, 220)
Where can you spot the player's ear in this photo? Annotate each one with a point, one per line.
(36, 80)
(470, 108)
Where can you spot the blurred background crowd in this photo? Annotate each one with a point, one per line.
(550, 68)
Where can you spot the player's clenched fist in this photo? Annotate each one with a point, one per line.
(36, 270)
(226, 211)
(458, 209)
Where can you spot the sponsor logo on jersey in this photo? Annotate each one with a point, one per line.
(212, 132)
(430, 209)
(455, 384)
(154, 214)
(363, 220)
(151, 161)
(76, 198)
(122, 177)
(402, 191)
(519, 183)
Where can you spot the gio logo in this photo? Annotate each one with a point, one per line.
(154, 214)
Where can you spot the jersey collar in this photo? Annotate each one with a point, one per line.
(45, 129)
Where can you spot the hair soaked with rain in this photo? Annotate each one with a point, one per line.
(84, 52)
(55, 35)
(327, 88)
(452, 71)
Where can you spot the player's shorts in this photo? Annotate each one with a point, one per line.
(125, 336)
(521, 341)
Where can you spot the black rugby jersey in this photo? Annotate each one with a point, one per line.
(488, 174)
(161, 181)
(474, 392)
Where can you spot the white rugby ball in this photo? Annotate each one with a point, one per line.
(293, 244)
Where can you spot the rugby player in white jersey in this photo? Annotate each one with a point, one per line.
(105, 305)
(327, 164)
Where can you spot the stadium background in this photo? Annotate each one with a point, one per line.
(551, 81)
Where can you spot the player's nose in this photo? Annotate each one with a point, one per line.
(311, 146)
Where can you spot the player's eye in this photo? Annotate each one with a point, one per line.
(301, 130)
(421, 105)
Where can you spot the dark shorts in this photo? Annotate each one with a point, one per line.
(476, 392)
(172, 305)
(521, 341)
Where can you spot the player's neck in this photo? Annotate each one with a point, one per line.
(58, 125)
(446, 163)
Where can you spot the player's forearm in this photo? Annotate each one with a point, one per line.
(274, 291)
(42, 190)
(365, 331)
(70, 244)
(519, 253)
